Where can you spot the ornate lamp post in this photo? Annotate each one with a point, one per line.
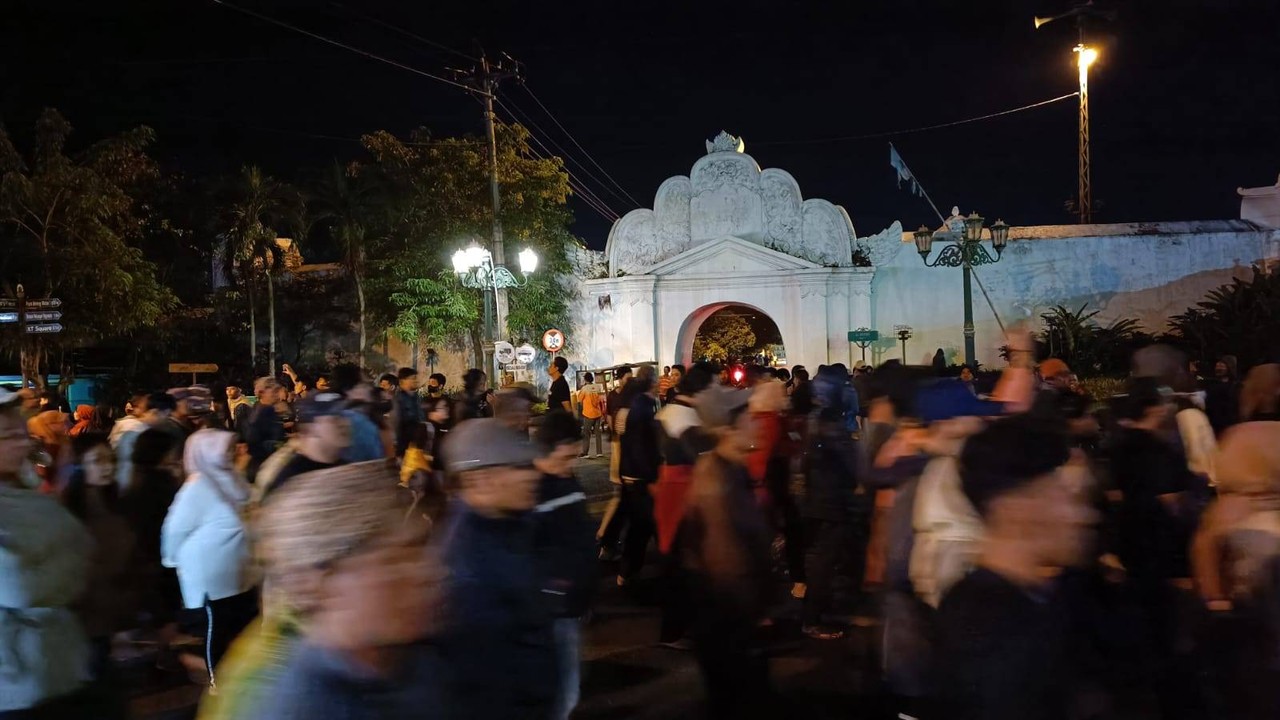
(475, 268)
(966, 253)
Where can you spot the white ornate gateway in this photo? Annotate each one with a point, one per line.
(727, 234)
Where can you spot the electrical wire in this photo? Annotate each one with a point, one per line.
(350, 48)
(873, 136)
(528, 122)
(406, 33)
(585, 196)
(580, 187)
(575, 142)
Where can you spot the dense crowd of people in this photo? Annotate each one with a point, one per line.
(351, 549)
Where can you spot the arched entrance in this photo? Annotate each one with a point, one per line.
(730, 332)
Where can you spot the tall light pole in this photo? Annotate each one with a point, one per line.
(1085, 56)
(966, 253)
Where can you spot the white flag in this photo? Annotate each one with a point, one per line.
(904, 173)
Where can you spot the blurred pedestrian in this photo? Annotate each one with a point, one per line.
(324, 434)
(44, 567)
(264, 433)
(1260, 394)
(498, 640)
(204, 537)
(725, 551)
(565, 548)
(591, 400)
(476, 400)
(406, 408)
(368, 587)
(1007, 644)
(638, 468)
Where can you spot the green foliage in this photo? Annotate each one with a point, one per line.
(433, 198)
(724, 336)
(1090, 349)
(71, 225)
(1241, 318)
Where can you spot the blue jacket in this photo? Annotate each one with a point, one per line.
(366, 441)
(498, 641)
(44, 564)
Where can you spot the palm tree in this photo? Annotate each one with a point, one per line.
(257, 206)
(348, 207)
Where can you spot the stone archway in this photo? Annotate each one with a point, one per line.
(693, 323)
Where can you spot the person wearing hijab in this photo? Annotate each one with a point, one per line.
(86, 418)
(204, 537)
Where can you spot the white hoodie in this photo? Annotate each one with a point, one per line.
(204, 535)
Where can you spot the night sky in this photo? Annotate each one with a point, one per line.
(1185, 97)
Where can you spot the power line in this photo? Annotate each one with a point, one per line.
(344, 46)
(872, 136)
(577, 184)
(406, 33)
(523, 117)
(584, 195)
(575, 142)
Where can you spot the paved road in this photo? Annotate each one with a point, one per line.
(626, 674)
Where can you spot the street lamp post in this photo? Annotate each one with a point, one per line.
(476, 269)
(966, 253)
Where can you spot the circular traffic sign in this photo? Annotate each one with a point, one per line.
(504, 351)
(525, 353)
(552, 340)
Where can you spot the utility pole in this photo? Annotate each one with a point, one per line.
(484, 78)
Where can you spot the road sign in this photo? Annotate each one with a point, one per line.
(36, 303)
(45, 329)
(193, 368)
(44, 316)
(8, 317)
(525, 354)
(552, 340)
(504, 351)
(862, 335)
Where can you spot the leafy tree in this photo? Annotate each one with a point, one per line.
(435, 197)
(71, 224)
(1088, 348)
(354, 209)
(1241, 318)
(724, 336)
(256, 208)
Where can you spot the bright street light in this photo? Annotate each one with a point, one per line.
(528, 261)
(1087, 57)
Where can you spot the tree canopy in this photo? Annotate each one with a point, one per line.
(723, 336)
(71, 225)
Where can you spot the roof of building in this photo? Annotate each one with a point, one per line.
(1187, 227)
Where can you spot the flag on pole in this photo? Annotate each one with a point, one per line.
(904, 172)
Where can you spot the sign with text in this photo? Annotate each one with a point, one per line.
(183, 368)
(525, 354)
(44, 316)
(504, 351)
(862, 335)
(45, 329)
(37, 303)
(8, 317)
(552, 340)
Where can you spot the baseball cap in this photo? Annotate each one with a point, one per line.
(197, 397)
(946, 399)
(320, 405)
(486, 442)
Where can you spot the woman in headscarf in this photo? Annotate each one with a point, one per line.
(204, 537)
(86, 421)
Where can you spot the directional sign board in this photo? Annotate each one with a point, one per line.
(44, 316)
(32, 303)
(45, 328)
(864, 335)
(183, 368)
(8, 317)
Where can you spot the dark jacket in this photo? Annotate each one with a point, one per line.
(498, 640)
(408, 414)
(831, 473)
(640, 441)
(566, 546)
(319, 684)
(263, 434)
